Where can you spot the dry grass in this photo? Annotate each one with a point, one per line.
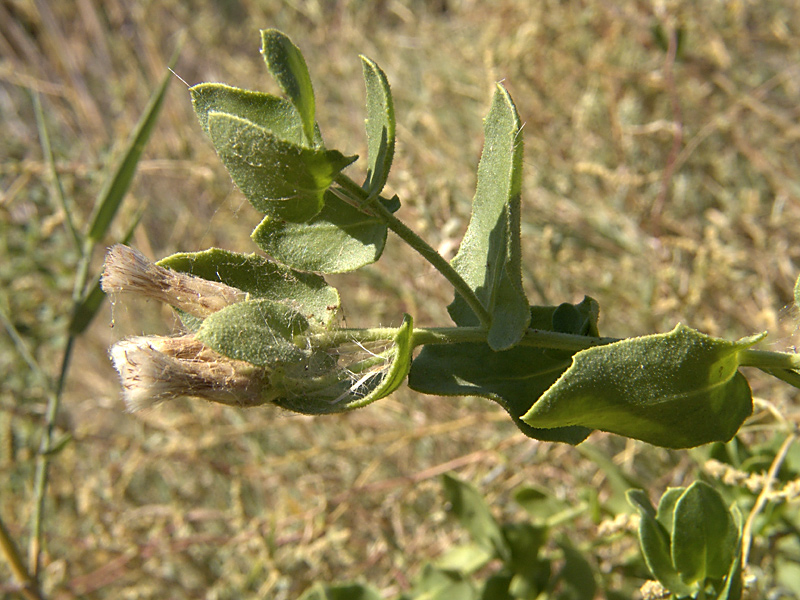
(195, 500)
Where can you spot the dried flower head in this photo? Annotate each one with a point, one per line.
(154, 369)
(127, 270)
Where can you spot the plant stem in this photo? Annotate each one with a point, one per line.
(53, 403)
(763, 497)
(535, 338)
(427, 252)
(57, 189)
(28, 587)
(765, 359)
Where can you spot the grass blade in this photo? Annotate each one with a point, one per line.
(55, 182)
(117, 185)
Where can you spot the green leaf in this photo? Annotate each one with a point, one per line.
(524, 542)
(348, 591)
(380, 126)
(513, 378)
(471, 510)
(277, 177)
(338, 239)
(540, 502)
(439, 584)
(258, 331)
(400, 365)
(655, 543)
(617, 479)
(311, 394)
(287, 65)
(577, 577)
(117, 184)
(276, 115)
(705, 537)
(677, 390)
(734, 586)
(466, 558)
(304, 292)
(666, 506)
(489, 258)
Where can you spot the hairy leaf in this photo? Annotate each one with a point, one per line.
(276, 115)
(677, 390)
(304, 293)
(277, 177)
(287, 65)
(489, 255)
(666, 506)
(380, 126)
(513, 378)
(258, 331)
(338, 239)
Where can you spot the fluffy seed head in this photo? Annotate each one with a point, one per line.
(154, 369)
(126, 270)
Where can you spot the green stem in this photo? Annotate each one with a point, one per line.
(53, 403)
(764, 496)
(377, 209)
(28, 587)
(765, 359)
(785, 375)
(536, 338)
(55, 182)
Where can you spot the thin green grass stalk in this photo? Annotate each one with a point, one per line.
(108, 204)
(764, 496)
(23, 350)
(55, 182)
(28, 587)
(117, 185)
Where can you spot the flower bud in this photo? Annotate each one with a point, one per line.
(127, 270)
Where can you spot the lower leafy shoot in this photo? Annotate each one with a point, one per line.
(692, 542)
(503, 560)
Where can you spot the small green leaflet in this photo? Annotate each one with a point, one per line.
(380, 126)
(340, 238)
(276, 115)
(277, 177)
(287, 65)
(257, 331)
(489, 257)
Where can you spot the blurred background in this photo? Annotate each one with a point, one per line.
(662, 178)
